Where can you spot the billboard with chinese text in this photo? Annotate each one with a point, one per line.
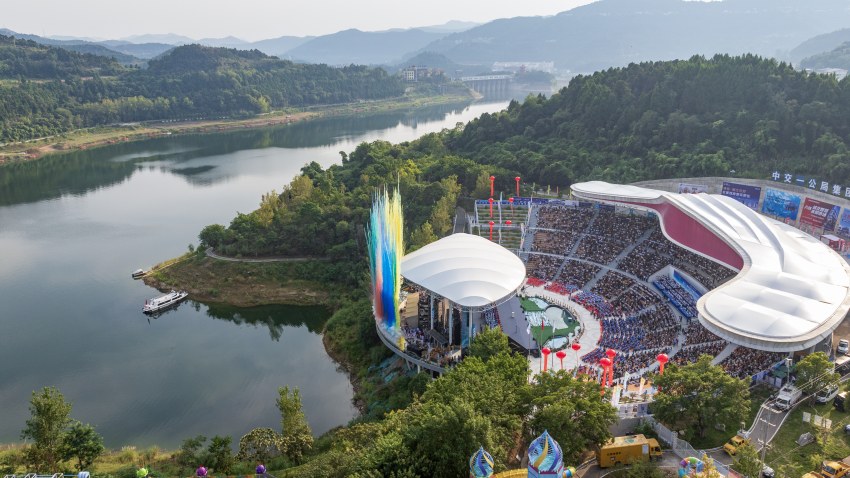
(819, 214)
(781, 204)
(744, 193)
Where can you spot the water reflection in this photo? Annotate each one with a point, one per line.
(78, 172)
(274, 317)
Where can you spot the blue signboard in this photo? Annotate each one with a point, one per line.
(844, 224)
(743, 193)
(781, 204)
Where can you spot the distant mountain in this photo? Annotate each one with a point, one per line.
(364, 48)
(227, 42)
(819, 44)
(617, 32)
(452, 26)
(432, 60)
(145, 51)
(837, 58)
(169, 38)
(279, 46)
(79, 46)
(28, 59)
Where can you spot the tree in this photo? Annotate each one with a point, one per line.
(815, 372)
(572, 412)
(220, 458)
(489, 343)
(698, 395)
(47, 427)
(260, 444)
(644, 469)
(296, 436)
(747, 461)
(83, 443)
(190, 454)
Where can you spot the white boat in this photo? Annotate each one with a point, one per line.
(138, 273)
(160, 303)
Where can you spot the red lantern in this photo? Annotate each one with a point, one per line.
(492, 181)
(561, 354)
(517, 185)
(546, 351)
(606, 363)
(491, 206)
(576, 347)
(610, 353)
(662, 359)
(491, 230)
(508, 222)
(511, 200)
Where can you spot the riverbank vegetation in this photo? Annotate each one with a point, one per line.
(51, 91)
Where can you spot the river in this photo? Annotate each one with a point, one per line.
(73, 227)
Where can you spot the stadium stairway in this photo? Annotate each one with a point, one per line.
(726, 352)
(615, 264)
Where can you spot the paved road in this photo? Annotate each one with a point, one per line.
(211, 253)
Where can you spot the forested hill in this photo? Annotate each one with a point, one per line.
(31, 60)
(837, 58)
(187, 82)
(672, 119)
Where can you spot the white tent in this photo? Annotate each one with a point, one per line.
(468, 270)
(792, 290)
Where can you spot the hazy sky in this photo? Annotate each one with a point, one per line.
(253, 19)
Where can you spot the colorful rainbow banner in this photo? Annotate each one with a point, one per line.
(386, 247)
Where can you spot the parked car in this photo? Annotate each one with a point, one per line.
(767, 472)
(843, 347)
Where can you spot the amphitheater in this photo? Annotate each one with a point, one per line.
(747, 271)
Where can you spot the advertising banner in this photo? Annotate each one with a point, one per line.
(819, 214)
(743, 193)
(688, 188)
(781, 204)
(844, 224)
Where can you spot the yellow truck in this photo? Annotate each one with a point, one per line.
(834, 469)
(627, 449)
(731, 447)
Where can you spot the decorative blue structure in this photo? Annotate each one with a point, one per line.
(480, 464)
(545, 457)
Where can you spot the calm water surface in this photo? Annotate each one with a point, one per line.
(73, 227)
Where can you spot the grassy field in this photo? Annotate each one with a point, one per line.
(792, 460)
(529, 305)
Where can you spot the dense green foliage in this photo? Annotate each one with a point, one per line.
(188, 82)
(698, 117)
(815, 372)
(697, 396)
(837, 58)
(481, 402)
(296, 435)
(324, 212)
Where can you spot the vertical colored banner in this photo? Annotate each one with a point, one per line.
(844, 224)
(743, 193)
(819, 214)
(781, 204)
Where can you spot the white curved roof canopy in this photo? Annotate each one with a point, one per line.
(792, 290)
(468, 270)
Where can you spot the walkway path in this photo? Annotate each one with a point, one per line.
(211, 253)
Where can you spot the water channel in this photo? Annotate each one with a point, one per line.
(73, 227)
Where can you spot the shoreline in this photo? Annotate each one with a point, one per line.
(97, 136)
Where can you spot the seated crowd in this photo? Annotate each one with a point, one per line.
(542, 267)
(599, 249)
(625, 228)
(561, 289)
(612, 284)
(636, 299)
(577, 273)
(565, 218)
(644, 261)
(649, 331)
(678, 296)
(745, 362)
(690, 353)
(553, 242)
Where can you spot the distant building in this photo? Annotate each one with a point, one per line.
(419, 73)
(523, 66)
